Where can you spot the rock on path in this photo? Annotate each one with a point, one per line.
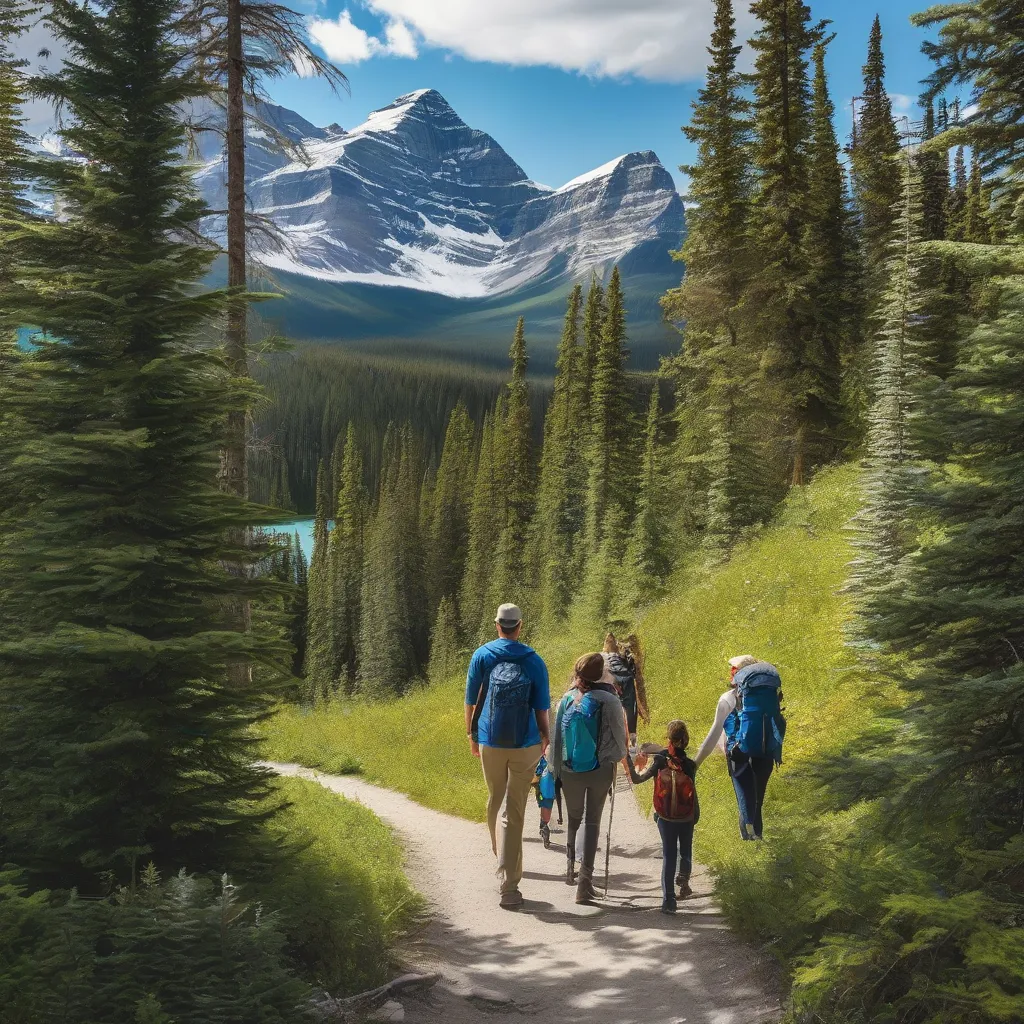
(621, 963)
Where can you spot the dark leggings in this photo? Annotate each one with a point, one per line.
(750, 777)
(558, 797)
(676, 838)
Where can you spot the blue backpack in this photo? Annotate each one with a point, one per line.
(506, 705)
(757, 727)
(581, 730)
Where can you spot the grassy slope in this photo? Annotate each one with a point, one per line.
(779, 597)
(343, 899)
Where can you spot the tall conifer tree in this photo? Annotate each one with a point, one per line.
(593, 326)
(876, 172)
(319, 645)
(514, 445)
(562, 486)
(776, 293)
(828, 244)
(933, 164)
(713, 370)
(345, 563)
(448, 535)
(609, 485)
(122, 739)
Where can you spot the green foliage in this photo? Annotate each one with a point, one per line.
(446, 654)
(319, 639)
(873, 161)
(123, 737)
(345, 556)
(342, 902)
(312, 394)
(178, 950)
(393, 627)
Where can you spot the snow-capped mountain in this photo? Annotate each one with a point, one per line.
(414, 197)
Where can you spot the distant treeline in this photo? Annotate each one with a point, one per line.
(313, 393)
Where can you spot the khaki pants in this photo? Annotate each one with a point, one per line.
(508, 774)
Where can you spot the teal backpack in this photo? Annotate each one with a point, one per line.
(581, 731)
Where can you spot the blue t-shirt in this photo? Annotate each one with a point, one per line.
(533, 668)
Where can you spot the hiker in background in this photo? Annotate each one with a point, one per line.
(676, 809)
(546, 789)
(588, 743)
(750, 723)
(507, 717)
(623, 668)
(634, 657)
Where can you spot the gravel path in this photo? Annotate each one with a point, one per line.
(621, 963)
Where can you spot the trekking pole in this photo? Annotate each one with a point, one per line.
(608, 839)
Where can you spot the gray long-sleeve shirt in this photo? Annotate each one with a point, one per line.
(612, 742)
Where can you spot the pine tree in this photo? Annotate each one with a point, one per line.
(876, 172)
(977, 227)
(345, 557)
(886, 522)
(121, 736)
(933, 163)
(828, 247)
(514, 442)
(956, 205)
(776, 295)
(486, 521)
(609, 484)
(647, 557)
(593, 327)
(448, 532)
(716, 255)
(391, 649)
(319, 670)
(14, 212)
(445, 650)
(562, 487)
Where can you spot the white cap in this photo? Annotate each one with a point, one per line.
(509, 616)
(742, 661)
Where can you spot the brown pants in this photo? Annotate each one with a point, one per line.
(509, 775)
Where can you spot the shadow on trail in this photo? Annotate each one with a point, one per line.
(645, 969)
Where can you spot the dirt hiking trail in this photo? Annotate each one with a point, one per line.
(623, 962)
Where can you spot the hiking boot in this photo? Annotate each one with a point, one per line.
(570, 872)
(668, 907)
(683, 884)
(545, 834)
(511, 899)
(585, 892)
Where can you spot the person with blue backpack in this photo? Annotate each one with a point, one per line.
(507, 716)
(749, 719)
(589, 741)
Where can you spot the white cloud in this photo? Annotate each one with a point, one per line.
(664, 40)
(400, 41)
(346, 43)
(902, 103)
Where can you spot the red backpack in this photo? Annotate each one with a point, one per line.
(675, 798)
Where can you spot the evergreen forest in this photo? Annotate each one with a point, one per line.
(851, 317)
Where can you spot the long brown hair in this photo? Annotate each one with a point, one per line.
(587, 672)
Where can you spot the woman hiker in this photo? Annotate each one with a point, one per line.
(750, 761)
(588, 742)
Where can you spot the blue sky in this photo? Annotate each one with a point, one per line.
(566, 85)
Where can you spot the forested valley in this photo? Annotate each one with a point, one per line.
(852, 339)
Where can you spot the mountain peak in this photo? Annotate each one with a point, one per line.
(422, 104)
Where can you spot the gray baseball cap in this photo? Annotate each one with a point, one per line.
(509, 616)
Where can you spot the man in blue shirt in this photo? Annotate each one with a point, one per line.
(507, 704)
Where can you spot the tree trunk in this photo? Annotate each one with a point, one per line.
(233, 473)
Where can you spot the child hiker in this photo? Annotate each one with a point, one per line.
(676, 809)
(546, 789)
